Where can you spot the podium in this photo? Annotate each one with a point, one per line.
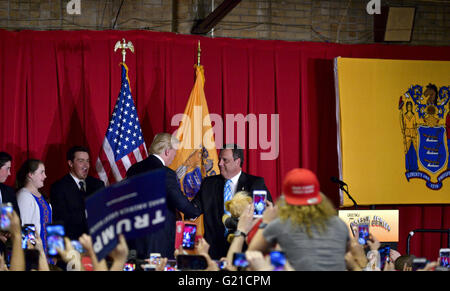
(383, 224)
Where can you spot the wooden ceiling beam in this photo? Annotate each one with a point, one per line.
(204, 26)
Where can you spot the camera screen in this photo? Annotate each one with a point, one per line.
(77, 246)
(191, 262)
(129, 267)
(5, 223)
(171, 265)
(259, 203)
(55, 238)
(384, 256)
(222, 264)
(444, 259)
(189, 236)
(169, 268)
(278, 260)
(363, 231)
(239, 260)
(28, 234)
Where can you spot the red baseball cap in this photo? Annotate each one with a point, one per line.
(301, 187)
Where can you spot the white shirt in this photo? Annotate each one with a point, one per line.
(234, 182)
(1, 197)
(162, 161)
(77, 181)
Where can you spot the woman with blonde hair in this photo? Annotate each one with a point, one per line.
(305, 225)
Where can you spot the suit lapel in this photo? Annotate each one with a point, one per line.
(74, 186)
(220, 197)
(242, 184)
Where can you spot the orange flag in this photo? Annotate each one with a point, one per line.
(196, 156)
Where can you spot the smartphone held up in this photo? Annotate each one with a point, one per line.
(444, 258)
(259, 202)
(189, 232)
(240, 260)
(55, 238)
(363, 234)
(6, 209)
(28, 235)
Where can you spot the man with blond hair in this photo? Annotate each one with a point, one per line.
(162, 152)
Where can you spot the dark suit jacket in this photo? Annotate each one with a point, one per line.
(210, 200)
(9, 195)
(68, 204)
(163, 240)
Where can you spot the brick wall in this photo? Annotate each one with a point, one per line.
(342, 21)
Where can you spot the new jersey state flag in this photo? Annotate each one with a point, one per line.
(394, 120)
(196, 156)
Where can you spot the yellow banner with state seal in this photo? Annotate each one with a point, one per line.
(394, 130)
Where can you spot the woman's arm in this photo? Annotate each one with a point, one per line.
(244, 225)
(27, 206)
(259, 243)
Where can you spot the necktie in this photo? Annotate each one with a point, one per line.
(81, 183)
(227, 194)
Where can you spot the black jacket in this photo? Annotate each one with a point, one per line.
(68, 204)
(9, 196)
(163, 240)
(211, 201)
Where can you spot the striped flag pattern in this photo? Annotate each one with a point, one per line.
(124, 144)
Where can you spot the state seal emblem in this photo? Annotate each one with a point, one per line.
(425, 128)
(199, 164)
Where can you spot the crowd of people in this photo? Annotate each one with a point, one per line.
(300, 231)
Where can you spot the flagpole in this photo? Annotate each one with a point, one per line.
(199, 50)
(124, 144)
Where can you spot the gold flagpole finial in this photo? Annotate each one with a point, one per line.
(198, 54)
(124, 46)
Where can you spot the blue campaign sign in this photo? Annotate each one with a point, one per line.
(133, 207)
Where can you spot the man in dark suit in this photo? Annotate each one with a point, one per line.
(7, 194)
(162, 152)
(69, 193)
(211, 196)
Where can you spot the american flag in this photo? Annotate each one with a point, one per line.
(124, 144)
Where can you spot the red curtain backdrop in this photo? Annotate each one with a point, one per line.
(58, 88)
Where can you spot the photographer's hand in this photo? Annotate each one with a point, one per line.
(70, 256)
(257, 262)
(246, 220)
(373, 243)
(43, 264)
(18, 255)
(86, 241)
(203, 249)
(430, 266)
(270, 213)
(119, 255)
(3, 266)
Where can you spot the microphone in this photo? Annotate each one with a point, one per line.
(336, 180)
(341, 186)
